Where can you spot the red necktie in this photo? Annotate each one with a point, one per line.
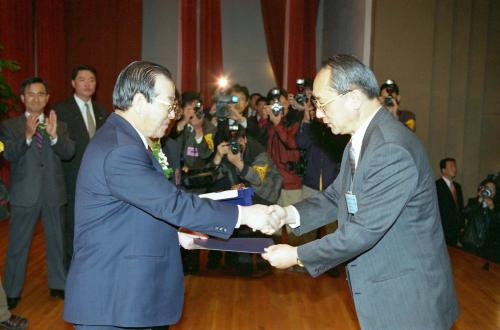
(453, 192)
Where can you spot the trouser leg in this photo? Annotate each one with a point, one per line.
(53, 229)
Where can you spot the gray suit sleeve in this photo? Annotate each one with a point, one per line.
(318, 210)
(388, 183)
(15, 147)
(65, 147)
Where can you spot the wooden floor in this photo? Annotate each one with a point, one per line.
(283, 300)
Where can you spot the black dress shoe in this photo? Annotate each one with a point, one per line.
(15, 322)
(57, 293)
(12, 302)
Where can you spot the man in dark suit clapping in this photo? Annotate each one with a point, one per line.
(82, 116)
(35, 145)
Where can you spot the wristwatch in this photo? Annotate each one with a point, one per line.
(299, 263)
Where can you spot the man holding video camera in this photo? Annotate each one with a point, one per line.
(390, 98)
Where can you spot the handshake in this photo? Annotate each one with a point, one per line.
(266, 219)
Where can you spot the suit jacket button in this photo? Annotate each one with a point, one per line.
(225, 230)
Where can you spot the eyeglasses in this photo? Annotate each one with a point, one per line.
(32, 95)
(173, 107)
(321, 106)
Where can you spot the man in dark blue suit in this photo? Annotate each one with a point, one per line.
(126, 269)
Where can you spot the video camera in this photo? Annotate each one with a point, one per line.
(276, 106)
(301, 97)
(223, 98)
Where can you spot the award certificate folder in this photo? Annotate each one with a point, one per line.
(236, 244)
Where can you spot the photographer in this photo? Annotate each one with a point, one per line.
(483, 227)
(243, 162)
(196, 134)
(391, 99)
(258, 124)
(282, 147)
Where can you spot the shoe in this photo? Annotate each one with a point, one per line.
(333, 272)
(56, 293)
(12, 302)
(14, 323)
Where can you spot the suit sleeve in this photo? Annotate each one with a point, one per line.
(15, 146)
(318, 210)
(65, 147)
(132, 178)
(388, 183)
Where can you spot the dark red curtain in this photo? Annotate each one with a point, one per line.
(273, 15)
(210, 47)
(16, 35)
(301, 46)
(105, 34)
(187, 59)
(49, 18)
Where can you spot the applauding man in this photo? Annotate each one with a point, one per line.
(34, 146)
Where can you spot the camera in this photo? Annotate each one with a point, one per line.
(300, 97)
(276, 106)
(234, 143)
(198, 109)
(223, 100)
(485, 192)
(297, 167)
(389, 101)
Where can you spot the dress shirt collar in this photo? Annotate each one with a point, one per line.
(41, 118)
(448, 181)
(357, 137)
(81, 103)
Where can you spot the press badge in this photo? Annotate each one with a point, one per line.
(352, 204)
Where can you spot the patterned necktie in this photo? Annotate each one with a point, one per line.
(38, 137)
(90, 121)
(352, 159)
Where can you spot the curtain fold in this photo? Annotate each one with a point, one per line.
(210, 47)
(104, 34)
(301, 46)
(49, 18)
(273, 16)
(188, 45)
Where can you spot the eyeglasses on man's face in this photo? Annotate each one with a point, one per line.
(173, 107)
(321, 106)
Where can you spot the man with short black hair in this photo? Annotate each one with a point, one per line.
(83, 116)
(451, 201)
(35, 144)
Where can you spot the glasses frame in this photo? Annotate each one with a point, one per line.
(172, 107)
(321, 106)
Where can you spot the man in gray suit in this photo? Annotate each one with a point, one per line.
(34, 146)
(389, 233)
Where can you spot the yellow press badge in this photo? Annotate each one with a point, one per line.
(209, 138)
(261, 171)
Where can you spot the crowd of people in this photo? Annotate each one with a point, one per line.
(283, 145)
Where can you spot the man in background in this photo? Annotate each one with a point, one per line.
(451, 202)
(35, 144)
(83, 117)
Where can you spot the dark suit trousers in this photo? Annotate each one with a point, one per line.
(69, 230)
(21, 228)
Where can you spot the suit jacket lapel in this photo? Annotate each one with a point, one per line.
(379, 117)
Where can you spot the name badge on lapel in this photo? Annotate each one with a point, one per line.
(352, 203)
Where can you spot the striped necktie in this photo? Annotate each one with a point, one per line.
(38, 137)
